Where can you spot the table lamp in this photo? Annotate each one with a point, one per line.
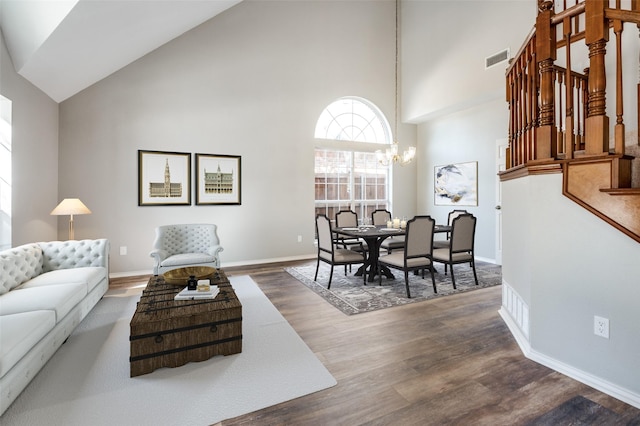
(70, 206)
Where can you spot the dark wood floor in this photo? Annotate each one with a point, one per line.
(450, 360)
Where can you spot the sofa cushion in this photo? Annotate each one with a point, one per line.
(18, 265)
(19, 333)
(90, 276)
(60, 298)
(187, 259)
(74, 254)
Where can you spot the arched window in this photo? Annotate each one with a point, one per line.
(348, 175)
(353, 119)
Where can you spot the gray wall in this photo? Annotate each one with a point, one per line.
(251, 82)
(464, 136)
(34, 156)
(567, 265)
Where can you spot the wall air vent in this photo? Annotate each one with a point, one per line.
(496, 59)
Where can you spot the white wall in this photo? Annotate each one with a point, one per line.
(251, 82)
(34, 156)
(567, 265)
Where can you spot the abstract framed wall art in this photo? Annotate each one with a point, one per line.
(164, 178)
(218, 179)
(456, 184)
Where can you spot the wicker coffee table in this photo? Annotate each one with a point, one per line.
(170, 333)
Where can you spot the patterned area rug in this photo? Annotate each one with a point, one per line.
(348, 294)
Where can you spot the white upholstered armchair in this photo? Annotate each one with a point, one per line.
(177, 246)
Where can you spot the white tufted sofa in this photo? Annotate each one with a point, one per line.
(177, 246)
(46, 289)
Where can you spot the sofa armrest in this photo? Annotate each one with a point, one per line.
(159, 255)
(214, 250)
(75, 254)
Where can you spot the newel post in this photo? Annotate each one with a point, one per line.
(545, 56)
(596, 37)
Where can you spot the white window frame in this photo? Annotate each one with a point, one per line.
(347, 127)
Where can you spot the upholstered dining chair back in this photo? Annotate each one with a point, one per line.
(446, 242)
(193, 244)
(419, 237)
(380, 217)
(463, 232)
(463, 229)
(325, 238)
(346, 218)
(453, 214)
(329, 253)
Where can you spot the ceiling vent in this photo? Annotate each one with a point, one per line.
(496, 59)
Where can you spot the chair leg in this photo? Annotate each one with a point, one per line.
(406, 282)
(453, 279)
(315, 278)
(433, 280)
(330, 277)
(475, 276)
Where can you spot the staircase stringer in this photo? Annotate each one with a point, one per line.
(591, 182)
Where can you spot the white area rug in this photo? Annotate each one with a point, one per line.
(87, 381)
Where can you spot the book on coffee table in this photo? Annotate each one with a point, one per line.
(186, 294)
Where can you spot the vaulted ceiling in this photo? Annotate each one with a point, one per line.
(64, 46)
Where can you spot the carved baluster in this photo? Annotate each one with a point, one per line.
(521, 152)
(533, 99)
(569, 136)
(560, 85)
(596, 37)
(545, 56)
(619, 128)
(509, 96)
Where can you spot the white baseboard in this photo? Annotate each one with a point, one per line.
(588, 379)
(224, 264)
(485, 259)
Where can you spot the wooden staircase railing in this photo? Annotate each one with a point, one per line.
(558, 116)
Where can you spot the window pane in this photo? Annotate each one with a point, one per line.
(365, 193)
(353, 119)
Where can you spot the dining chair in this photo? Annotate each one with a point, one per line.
(380, 217)
(349, 219)
(463, 229)
(417, 252)
(329, 253)
(445, 243)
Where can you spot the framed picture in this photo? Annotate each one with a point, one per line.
(164, 178)
(218, 179)
(456, 184)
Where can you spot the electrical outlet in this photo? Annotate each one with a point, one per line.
(123, 250)
(601, 326)
(299, 238)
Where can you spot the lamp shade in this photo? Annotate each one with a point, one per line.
(70, 206)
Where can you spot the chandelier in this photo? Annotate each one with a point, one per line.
(390, 155)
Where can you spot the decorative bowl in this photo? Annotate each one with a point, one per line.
(180, 276)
